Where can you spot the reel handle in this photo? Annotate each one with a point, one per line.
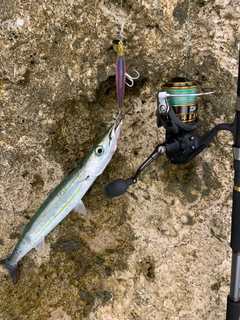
(119, 186)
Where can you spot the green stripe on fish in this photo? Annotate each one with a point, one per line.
(65, 197)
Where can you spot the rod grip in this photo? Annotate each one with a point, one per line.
(237, 174)
(238, 85)
(233, 310)
(235, 228)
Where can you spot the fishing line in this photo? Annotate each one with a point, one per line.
(187, 38)
(181, 93)
(122, 23)
(183, 96)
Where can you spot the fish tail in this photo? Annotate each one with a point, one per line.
(12, 269)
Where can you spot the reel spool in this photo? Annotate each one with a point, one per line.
(177, 105)
(185, 102)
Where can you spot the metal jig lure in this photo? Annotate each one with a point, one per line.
(121, 74)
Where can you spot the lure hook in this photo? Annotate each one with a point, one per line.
(118, 115)
(131, 78)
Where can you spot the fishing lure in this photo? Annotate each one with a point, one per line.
(120, 74)
(66, 197)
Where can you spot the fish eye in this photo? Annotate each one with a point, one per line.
(99, 150)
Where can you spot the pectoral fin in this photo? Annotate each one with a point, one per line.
(40, 246)
(80, 208)
(20, 228)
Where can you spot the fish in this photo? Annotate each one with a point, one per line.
(67, 196)
(120, 74)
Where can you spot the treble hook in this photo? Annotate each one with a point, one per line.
(131, 78)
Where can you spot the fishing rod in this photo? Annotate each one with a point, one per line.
(177, 113)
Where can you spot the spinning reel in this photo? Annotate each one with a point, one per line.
(177, 112)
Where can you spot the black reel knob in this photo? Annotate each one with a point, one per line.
(117, 187)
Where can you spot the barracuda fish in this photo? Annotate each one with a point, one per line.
(66, 197)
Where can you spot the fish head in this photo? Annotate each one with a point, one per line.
(103, 151)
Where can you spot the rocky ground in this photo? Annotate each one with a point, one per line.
(161, 251)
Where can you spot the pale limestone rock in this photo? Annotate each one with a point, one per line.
(161, 251)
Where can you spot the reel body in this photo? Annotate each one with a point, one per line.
(177, 112)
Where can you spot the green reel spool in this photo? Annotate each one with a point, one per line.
(184, 105)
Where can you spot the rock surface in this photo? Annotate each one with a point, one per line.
(161, 251)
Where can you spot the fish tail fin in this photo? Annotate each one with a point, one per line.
(12, 269)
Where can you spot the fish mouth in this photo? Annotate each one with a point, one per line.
(116, 127)
(118, 123)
